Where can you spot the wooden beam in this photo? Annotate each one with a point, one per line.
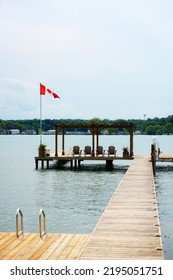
(63, 141)
(131, 141)
(97, 138)
(93, 143)
(99, 126)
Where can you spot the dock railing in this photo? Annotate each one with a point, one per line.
(19, 232)
(42, 216)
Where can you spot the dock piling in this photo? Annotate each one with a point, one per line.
(153, 158)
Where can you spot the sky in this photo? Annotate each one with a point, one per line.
(106, 59)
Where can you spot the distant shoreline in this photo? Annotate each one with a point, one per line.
(155, 126)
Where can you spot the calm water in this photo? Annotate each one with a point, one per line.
(73, 200)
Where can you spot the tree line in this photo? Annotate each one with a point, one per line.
(155, 126)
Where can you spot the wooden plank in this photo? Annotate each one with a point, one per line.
(67, 250)
(4, 237)
(56, 255)
(27, 252)
(12, 244)
(6, 241)
(43, 248)
(17, 246)
(58, 239)
(77, 251)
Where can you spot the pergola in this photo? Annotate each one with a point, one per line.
(95, 130)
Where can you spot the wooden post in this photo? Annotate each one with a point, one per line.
(97, 139)
(131, 142)
(63, 141)
(153, 158)
(36, 164)
(56, 141)
(109, 164)
(93, 143)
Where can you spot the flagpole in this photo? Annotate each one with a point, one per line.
(40, 119)
(43, 90)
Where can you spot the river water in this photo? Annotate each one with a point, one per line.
(73, 200)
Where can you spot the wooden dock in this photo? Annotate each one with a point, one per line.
(128, 228)
(156, 157)
(165, 158)
(75, 161)
(50, 247)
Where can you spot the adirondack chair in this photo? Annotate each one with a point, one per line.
(100, 151)
(87, 151)
(76, 151)
(111, 151)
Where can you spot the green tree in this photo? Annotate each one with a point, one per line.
(96, 120)
(150, 130)
(168, 128)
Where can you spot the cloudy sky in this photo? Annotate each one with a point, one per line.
(105, 58)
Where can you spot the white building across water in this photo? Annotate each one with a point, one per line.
(14, 131)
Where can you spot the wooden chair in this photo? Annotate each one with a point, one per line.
(111, 151)
(76, 151)
(100, 151)
(87, 151)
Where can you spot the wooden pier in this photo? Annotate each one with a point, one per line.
(75, 161)
(128, 228)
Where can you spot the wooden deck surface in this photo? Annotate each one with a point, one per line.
(51, 247)
(76, 160)
(165, 158)
(83, 157)
(129, 227)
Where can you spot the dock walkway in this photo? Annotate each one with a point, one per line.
(128, 228)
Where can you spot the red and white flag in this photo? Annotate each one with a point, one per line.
(44, 90)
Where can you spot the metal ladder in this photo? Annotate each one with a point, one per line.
(42, 218)
(18, 233)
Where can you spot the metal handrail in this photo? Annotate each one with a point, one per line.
(19, 212)
(42, 214)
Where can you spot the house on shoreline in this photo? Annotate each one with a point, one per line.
(14, 132)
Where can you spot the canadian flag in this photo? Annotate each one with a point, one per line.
(44, 90)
